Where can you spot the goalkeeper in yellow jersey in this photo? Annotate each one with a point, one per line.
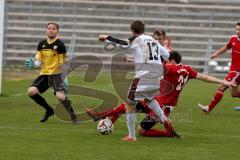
(51, 54)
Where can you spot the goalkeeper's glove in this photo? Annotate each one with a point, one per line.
(29, 63)
(65, 84)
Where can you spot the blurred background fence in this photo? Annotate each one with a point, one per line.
(196, 27)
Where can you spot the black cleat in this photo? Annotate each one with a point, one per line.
(47, 115)
(74, 119)
(174, 134)
(92, 114)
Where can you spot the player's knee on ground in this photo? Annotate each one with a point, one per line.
(60, 96)
(140, 130)
(32, 91)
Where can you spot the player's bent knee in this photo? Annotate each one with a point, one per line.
(60, 96)
(32, 91)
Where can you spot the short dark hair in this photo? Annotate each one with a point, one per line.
(137, 27)
(238, 24)
(175, 55)
(158, 32)
(55, 24)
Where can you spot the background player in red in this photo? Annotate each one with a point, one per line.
(177, 76)
(234, 73)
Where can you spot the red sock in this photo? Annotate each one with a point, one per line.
(168, 126)
(156, 133)
(166, 112)
(121, 109)
(115, 113)
(215, 100)
(106, 113)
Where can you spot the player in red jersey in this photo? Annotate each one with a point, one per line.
(234, 73)
(177, 76)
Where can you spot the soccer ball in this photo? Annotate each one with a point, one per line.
(105, 126)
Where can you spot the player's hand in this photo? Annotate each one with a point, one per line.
(102, 37)
(230, 84)
(214, 55)
(29, 63)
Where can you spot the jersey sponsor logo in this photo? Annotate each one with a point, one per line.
(55, 47)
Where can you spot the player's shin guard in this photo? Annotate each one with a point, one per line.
(215, 100)
(131, 118)
(42, 102)
(154, 106)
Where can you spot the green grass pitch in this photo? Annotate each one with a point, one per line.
(206, 137)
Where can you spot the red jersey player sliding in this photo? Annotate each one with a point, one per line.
(177, 75)
(234, 73)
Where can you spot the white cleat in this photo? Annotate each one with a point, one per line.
(204, 108)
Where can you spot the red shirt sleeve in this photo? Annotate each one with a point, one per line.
(192, 72)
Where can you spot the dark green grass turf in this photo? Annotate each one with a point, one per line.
(206, 137)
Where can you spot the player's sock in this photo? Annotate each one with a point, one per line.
(167, 111)
(68, 106)
(156, 133)
(118, 111)
(168, 126)
(169, 129)
(106, 113)
(131, 118)
(215, 100)
(121, 109)
(113, 113)
(154, 106)
(42, 102)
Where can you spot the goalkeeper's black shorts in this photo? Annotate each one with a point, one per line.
(43, 82)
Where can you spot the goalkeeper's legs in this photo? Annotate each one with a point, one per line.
(33, 93)
(67, 105)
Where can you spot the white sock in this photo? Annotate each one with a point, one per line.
(154, 106)
(131, 118)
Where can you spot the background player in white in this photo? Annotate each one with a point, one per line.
(148, 70)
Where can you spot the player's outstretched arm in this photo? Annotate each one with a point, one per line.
(211, 79)
(104, 37)
(220, 51)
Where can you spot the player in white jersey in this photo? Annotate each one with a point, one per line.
(148, 70)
